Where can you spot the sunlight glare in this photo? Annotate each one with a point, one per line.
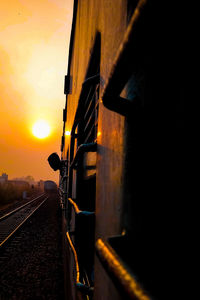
(41, 129)
(67, 133)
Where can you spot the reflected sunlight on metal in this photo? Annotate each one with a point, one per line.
(67, 133)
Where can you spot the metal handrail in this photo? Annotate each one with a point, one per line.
(92, 80)
(78, 211)
(121, 69)
(90, 147)
(82, 287)
(75, 257)
(119, 272)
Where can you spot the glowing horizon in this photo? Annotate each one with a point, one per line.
(34, 39)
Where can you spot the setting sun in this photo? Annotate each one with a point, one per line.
(41, 129)
(32, 83)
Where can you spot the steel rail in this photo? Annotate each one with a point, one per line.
(18, 208)
(22, 222)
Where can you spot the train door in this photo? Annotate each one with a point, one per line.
(82, 178)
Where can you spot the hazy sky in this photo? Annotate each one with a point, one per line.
(34, 41)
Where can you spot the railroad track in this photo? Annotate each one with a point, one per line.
(12, 221)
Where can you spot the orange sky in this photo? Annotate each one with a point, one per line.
(34, 41)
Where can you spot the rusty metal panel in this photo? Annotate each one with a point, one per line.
(110, 20)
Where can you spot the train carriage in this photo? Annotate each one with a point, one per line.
(123, 148)
(50, 186)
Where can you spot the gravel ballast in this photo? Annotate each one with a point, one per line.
(31, 265)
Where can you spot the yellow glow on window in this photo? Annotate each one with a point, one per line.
(67, 133)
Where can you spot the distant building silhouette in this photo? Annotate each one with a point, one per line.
(15, 182)
(19, 183)
(28, 179)
(3, 178)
